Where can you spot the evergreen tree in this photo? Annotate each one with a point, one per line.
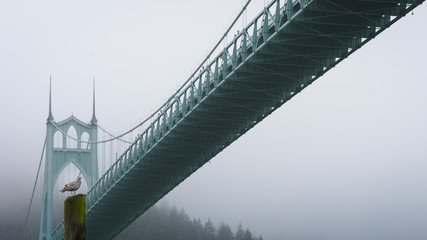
(247, 235)
(225, 233)
(162, 222)
(196, 231)
(209, 231)
(240, 233)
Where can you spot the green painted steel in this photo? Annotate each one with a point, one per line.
(284, 49)
(85, 158)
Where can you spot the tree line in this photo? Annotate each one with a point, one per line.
(161, 222)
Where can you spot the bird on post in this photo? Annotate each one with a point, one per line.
(73, 185)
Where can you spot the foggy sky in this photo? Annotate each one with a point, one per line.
(344, 159)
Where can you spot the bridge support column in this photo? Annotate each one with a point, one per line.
(60, 156)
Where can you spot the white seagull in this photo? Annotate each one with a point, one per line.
(72, 186)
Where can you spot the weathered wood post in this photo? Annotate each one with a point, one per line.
(75, 217)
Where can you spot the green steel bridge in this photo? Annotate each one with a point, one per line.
(286, 47)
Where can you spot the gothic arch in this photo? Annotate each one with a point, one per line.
(71, 143)
(66, 164)
(66, 174)
(84, 137)
(58, 140)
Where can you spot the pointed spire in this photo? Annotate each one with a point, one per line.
(94, 120)
(50, 117)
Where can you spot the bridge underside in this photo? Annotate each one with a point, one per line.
(287, 59)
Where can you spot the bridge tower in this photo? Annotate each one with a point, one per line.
(83, 156)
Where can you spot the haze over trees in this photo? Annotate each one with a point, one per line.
(164, 223)
(160, 222)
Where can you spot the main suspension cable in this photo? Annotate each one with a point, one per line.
(111, 135)
(176, 93)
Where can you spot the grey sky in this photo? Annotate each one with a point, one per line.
(345, 159)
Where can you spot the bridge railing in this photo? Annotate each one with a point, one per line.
(245, 43)
(210, 76)
(58, 232)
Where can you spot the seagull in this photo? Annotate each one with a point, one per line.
(72, 186)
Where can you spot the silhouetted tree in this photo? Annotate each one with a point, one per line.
(161, 222)
(240, 233)
(196, 231)
(247, 235)
(224, 233)
(209, 231)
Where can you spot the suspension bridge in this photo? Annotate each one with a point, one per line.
(286, 47)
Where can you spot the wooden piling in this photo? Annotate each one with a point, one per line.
(75, 217)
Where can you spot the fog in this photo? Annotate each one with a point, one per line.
(344, 159)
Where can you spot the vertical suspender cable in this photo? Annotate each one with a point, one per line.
(113, 147)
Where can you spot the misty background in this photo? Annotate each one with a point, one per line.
(344, 159)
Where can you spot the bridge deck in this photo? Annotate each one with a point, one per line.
(257, 73)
